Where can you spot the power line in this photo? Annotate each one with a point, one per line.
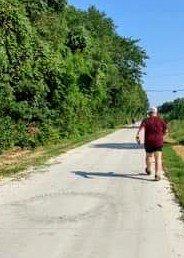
(172, 91)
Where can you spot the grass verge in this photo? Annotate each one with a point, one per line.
(176, 130)
(175, 171)
(17, 160)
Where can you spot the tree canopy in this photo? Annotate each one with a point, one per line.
(173, 109)
(64, 72)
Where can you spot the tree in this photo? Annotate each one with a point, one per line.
(65, 71)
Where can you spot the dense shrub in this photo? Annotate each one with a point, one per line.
(64, 73)
(173, 109)
(6, 133)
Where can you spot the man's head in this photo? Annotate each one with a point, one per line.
(153, 111)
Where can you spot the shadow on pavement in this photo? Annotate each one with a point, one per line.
(120, 146)
(90, 175)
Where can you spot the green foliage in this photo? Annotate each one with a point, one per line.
(173, 110)
(64, 72)
(175, 165)
(176, 130)
(77, 40)
(57, 5)
(35, 8)
(6, 133)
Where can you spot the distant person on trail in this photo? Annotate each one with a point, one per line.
(154, 130)
(133, 122)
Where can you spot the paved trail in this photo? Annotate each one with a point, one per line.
(92, 202)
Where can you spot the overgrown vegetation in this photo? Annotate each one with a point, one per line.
(176, 128)
(64, 73)
(173, 110)
(173, 153)
(174, 171)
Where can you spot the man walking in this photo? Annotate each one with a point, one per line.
(154, 130)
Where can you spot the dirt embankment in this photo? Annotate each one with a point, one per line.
(179, 150)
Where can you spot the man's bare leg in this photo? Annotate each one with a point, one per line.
(149, 162)
(158, 165)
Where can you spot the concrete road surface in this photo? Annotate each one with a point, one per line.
(92, 202)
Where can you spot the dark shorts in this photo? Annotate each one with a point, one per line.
(153, 149)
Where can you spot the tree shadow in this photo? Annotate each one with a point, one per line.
(91, 175)
(119, 146)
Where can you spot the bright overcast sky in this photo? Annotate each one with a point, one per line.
(159, 25)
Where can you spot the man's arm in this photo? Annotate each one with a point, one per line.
(142, 125)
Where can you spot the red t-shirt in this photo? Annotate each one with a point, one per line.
(155, 128)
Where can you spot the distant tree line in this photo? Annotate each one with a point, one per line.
(173, 109)
(64, 73)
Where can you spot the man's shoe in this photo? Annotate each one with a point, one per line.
(157, 178)
(147, 171)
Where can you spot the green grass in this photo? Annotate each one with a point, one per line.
(176, 128)
(173, 162)
(175, 172)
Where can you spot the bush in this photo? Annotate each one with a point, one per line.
(6, 133)
(173, 110)
(64, 73)
(176, 130)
